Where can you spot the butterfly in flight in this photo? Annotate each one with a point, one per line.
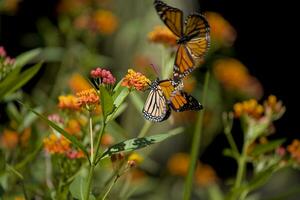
(164, 95)
(193, 38)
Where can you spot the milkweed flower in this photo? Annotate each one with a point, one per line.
(56, 144)
(162, 35)
(77, 83)
(9, 139)
(221, 30)
(135, 80)
(234, 76)
(74, 154)
(134, 159)
(205, 175)
(6, 64)
(88, 99)
(178, 164)
(103, 76)
(56, 118)
(250, 108)
(294, 150)
(273, 107)
(105, 22)
(107, 140)
(68, 102)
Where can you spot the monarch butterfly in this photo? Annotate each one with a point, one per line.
(193, 40)
(164, 95)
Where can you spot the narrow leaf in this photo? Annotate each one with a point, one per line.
(2, 161)
(72, 138)
(264, 148)
(19, 80)
(26, 57)
(77, 187)
(137, 143)
(106, 102)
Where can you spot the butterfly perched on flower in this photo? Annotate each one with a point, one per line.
(193, 38)
(164, 95)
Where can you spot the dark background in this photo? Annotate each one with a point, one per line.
(266, 43)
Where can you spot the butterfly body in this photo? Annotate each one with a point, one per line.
(193, 37)
(164, 95)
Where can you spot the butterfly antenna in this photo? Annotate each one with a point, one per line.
(156, 70)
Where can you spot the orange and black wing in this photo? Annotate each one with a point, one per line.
(156, 108)
(197, 29)
(172, 17)
(181, 101)
(184, 63)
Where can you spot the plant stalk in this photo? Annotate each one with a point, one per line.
(196, 144)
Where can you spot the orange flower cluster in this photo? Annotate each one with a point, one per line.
(68, 102)
(274, 107)
(294, 150)
(162, 35)
(135, 80)
(250, 108)
(57, 145)
(234, 76)
(221, 30)
(61, 146)
(9, 139)
(87, 97)
(105, 22)
(178, 165)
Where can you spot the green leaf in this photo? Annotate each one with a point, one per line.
(106, 102)
(261, 178)
(138, 143)
(77, 187)
(29, 118)
(26, 57)
(72, 138)
(117, 112)
(2, 191)
(264, 148)
(120, 95)
(136, 100)
(18, 81)
(2, 161)
(230, 153)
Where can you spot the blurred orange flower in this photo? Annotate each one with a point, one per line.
(107, 140)
(221, 30)
(135, 80)
(105, 22)
(10, 6)
(72, 6)
(234, 76)
(73, 127)
(77, 83)
(294, 149)
(178, 164)
(68, 102)
(162, 35)
(250, 108)
(57, 144)
(273, 107)
(135, 159)
(9, 139)
(25, 136)
(205, 175)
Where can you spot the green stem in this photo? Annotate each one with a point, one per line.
(195, 145)
(93, 164)
(110, 187)
(231, 142)
(91, 137)
(241, 168)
